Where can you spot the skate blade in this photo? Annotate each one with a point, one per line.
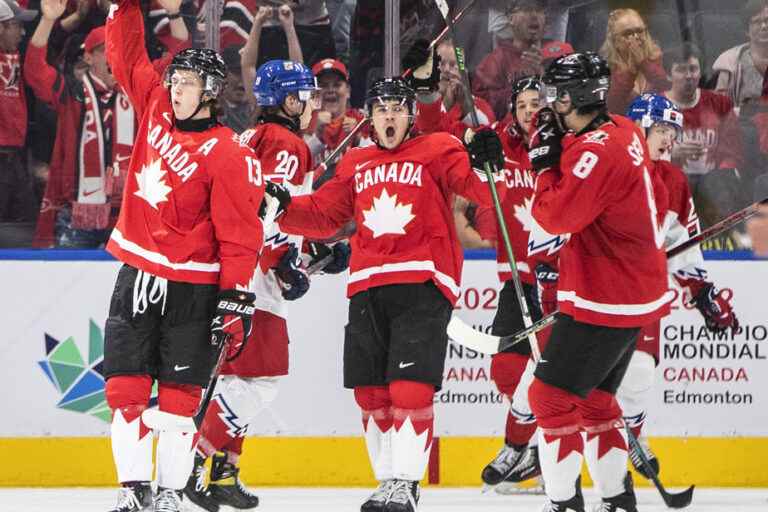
(516, 489)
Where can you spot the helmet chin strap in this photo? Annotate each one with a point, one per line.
(200, 105)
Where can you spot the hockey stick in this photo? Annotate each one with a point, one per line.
(470, 100)
(323, 166)
(672, 500)
(484, 343)
(156, 419)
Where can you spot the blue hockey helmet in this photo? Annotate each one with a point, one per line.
(651, 109)
(277, 79)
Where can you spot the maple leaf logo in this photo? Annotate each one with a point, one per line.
(538, 239)
(386, 216)
(152, 186)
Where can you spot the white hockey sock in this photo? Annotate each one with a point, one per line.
(175, 458)
(635, 389)
(560, 457)
(606, 455)
(378, 442)
(411, 442)
(131, 445)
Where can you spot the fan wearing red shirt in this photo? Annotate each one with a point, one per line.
(17, 196)
(404, 276)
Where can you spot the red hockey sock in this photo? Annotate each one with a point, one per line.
(376, 407)
(561, 443)
(606, 448)
(413, 428)
(128, 396)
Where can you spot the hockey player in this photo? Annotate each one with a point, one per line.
(515, 462)
(189, 239)
(662, 123)
(404, 276)
(596, 184)
(283, 90)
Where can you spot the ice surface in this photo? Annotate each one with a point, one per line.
(348, 500)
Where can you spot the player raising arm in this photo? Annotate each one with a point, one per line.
(189, 238)
(596, 184)
(404, 276)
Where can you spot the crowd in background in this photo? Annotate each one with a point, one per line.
(66, 128)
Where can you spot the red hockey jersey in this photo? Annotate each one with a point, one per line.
(400, 200)
(519, 181)
(434, 117)
(613, 271)
(191, 199)
(713, 123)
(284, 158)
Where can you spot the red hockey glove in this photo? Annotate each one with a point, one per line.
(714, 306)
(546, 288)
(294, 281)
(232, 320)
(546, 146)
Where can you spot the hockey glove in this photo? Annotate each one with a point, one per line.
(232, 320)
(545, 147)
(485, 146)
(274, 192)
(338, 254)
(294, 280)
(546, 288)
(715, 307)
(425, 65)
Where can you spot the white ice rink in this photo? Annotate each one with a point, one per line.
(348, 500)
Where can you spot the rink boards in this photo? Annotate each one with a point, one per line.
(708, 420)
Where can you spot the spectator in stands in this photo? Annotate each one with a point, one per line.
(341, 12)
(333, 121)
(237, 110)
(310, 20)
(452, 91)
(710, 149)
(94, 137)
(17, 198)
(740, 69)
(634, 58)
(526, 53)
(557, 17)
(251, 56)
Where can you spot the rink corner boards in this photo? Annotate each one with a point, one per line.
(342, 461)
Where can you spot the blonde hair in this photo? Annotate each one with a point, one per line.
(609, 50)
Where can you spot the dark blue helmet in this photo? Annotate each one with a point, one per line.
(651, 109)
(277, 79)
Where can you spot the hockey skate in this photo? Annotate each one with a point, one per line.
(168, 500)
(134, 497)
(377, 500)
(575, 504)
(624, 502)
(226, 486)
(197, 490)
(528, 469)
(403, 496)
(637, 461)
(502, 465)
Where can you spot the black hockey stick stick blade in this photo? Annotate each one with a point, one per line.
(671, 500)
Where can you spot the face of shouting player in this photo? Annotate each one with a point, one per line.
(527, 103)
(390, 120)
(661, 138)
(186, 94)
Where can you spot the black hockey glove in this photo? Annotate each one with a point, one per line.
(715, 306)
(424, 64)
(294, 280)
(274, 192)
(545, 147)
(233, 320)
(485, 146)
(337, 256)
